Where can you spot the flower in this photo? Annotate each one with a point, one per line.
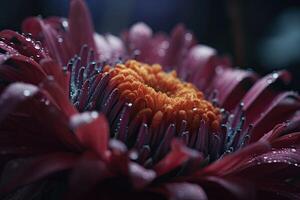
(143, 116)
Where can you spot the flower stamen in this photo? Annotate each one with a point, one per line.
(163, 96)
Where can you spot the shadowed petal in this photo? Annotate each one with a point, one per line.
(38, 168)
(81, 29)
(92, 131)
(176, 157)
(184, 191)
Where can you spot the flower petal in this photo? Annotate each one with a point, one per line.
(25, 46)
(92, 131)
(20, 68)
(39, 168)
(184, 191)
(13, 95)
(53, 69)
(236, 160)
(79, 20)
(140, 176)
(180, 42)
(231, 85)
(21, 125)
(87, 173)
(282, 108)
(176, 157)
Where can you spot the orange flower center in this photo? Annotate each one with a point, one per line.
(161, 95)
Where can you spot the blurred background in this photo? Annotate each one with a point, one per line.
(263, 35)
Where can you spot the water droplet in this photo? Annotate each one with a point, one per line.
(94, 114)
(275, 75)
(188, 36)
(47, 102)
(293, 150)
(60, 39)
(28, 39)
(65, 24)
(133, 155)
(37, 46)
(26, 93)
(270, 80)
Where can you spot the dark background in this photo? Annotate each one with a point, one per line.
(259, 34)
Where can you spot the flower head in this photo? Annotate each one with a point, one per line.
(141, 116)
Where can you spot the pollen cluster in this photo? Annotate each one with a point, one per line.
(161, 96)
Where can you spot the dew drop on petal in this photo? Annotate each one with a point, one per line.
(275, 75)
(60, 39)
(94, 114)
(65, 24)
(129, 104)
(133, 155)
(37, 46)
(188, 36)
(47, 102)
(26, 93)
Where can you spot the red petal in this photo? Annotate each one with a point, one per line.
(139, 38)
(55, 70)
(176, 157)
(92, 131)
(259, 96)
(7, 49)
(235, 188)
(25, 46)
(39, 168)
(20, 68)
(232, 85)
(140, 176)
(235, 161)
(282, 108)
(31, 124)
(286, 141)
(81, 29)
(49, 32)
(88, 171)
(180, 42)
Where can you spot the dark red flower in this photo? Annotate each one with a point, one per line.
(176, 120)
